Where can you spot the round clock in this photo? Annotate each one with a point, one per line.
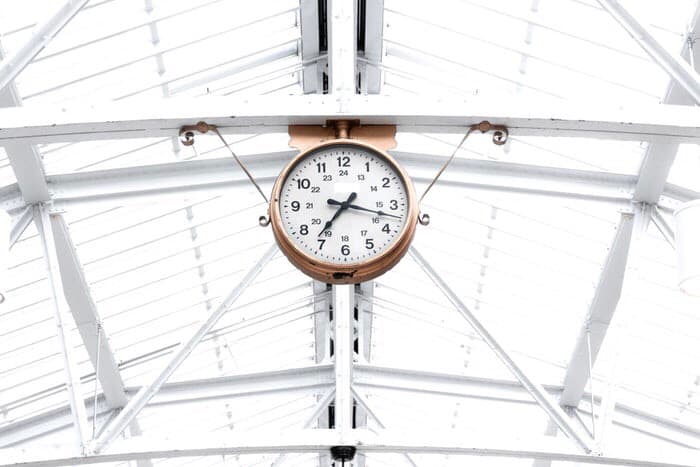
(343, 211)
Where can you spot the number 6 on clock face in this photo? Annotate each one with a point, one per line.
(343, 212)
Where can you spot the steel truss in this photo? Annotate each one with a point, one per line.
(663, 126)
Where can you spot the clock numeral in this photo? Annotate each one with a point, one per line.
(342, 173)
(369, 243)
(375, 220)
(343, 161)
(380, 204)
(363, 233)
(295, 206)
(315, 221)
(373, 188)
(309, 205)
(367, 166)
(345, 238)
(360, 176)
(385, 182)
(315, 189)
(304, 229)
(345, 250)
(327, 233)
(303, 183)
(321, 167)
(393, 205)
(327, 178)
(386, 228)
(320, 243)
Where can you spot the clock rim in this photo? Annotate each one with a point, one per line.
(337, 273)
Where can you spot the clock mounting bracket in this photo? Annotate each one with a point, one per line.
(380, 136)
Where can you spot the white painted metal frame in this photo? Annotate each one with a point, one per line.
(536, 390)
(20, 128)
(139, 401)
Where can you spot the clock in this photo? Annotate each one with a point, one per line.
(343, 211)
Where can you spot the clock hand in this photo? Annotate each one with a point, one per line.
(360, 208)
(343, 206)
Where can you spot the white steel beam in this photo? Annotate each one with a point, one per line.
(341, 50)
(311, 24)
(677, 69)
(309, 441)
(87, 319)
(269, 114)
(63, 325)
(42, 34)
(535, 389)
(600, 313)
(116, 426)
(24, 157)
(134, 184)
(343, 322)
(371, 72)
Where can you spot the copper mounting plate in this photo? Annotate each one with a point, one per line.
(382, 137)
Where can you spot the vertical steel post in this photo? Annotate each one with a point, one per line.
(343, 309)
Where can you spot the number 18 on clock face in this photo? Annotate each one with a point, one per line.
(344, 207)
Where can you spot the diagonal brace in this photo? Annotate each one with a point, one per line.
(545, 401)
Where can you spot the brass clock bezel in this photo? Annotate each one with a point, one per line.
(338, 273)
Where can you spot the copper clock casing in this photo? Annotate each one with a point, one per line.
(339, 273)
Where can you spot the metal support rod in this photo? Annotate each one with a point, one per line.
(677, 69)
(41, 36)
(590, 379)
(64, 323)
(663, 227)
(537, 391)
(147, 392)
(98, 328)
(343, 305)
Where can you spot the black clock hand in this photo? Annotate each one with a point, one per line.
(343, 206)
(360, 208)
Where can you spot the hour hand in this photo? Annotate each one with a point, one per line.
(325, 227)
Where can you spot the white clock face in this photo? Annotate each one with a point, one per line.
(343, 204)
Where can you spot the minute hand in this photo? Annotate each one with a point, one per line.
(360, 208)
